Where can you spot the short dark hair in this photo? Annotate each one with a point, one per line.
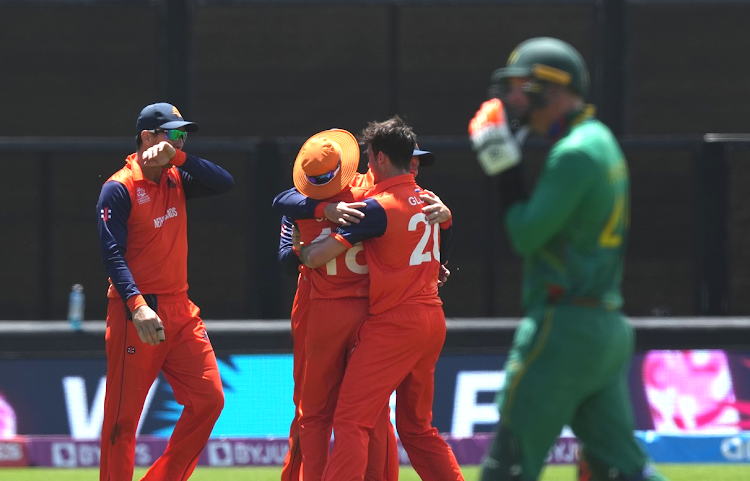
(393, 137)
(138, 141)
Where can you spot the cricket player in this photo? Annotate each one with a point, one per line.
(152, 325)
(399, 341)
(315, 215)
(570, 355)
(323, 169)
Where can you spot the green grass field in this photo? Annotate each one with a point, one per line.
(675, 472)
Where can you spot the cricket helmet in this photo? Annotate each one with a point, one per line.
(546, 59)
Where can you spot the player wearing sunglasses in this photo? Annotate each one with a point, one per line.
(152, 326)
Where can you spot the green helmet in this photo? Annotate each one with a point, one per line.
(546, 59)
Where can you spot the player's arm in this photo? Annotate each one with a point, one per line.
(319, 253)
(200, 177)
(437, 212)
(113, 208)
(566, 178)
(288, 257)
(291, 203)
(373, 224)
(499, 152)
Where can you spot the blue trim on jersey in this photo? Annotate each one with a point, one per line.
(372, 225)
(113, 236)
(294, 205)
(201, 178)
(287, 258)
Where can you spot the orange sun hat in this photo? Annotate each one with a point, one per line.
(326, 163)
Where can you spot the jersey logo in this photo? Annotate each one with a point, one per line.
(159, 221)
(142, 196)
(106, 214)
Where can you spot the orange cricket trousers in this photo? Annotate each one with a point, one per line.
(293, 459)
(397, 350)
(331, 330)
(189, 365)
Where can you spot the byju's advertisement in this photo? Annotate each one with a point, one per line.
(673, 392)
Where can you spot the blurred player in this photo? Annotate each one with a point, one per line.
(151, 323)
(400, 340)
(570, 355)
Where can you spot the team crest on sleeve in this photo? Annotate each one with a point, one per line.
(106, 214)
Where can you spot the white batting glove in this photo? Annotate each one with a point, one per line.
(496, 147)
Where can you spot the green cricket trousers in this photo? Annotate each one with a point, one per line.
(568, 366)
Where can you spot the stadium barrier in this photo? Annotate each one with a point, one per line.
(26, 339)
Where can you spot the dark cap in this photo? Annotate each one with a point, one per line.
(425, 157)
(162, 116)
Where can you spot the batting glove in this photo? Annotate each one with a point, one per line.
(496, 147)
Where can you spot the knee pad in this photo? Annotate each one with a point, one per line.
(503, 461)
(590, 468)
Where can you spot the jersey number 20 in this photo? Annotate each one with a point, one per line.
(419, 255)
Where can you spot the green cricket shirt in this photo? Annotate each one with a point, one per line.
(572, 231)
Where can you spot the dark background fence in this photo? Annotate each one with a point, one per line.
(262, 76)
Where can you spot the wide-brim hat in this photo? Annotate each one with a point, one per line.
(326, 163)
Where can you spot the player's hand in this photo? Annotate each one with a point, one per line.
(159, 155)
(149, 326)
(435, 211)
(443, 275)
(296, 240)
(496, 147)
(344, 213)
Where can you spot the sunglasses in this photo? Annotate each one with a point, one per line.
(172, 134)
(323, 179)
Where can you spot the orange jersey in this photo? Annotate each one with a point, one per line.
(362, 180)
(157, 230)
(344, 276)
(143, 224)
(401, 248)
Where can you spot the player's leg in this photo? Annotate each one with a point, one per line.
(609, 451)
(329, 329)
(132, 367)
(430, 455)
(386, 350)
(537, 400)
(290, 471)
(193, 374)
(382, 452)
(603, 422)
